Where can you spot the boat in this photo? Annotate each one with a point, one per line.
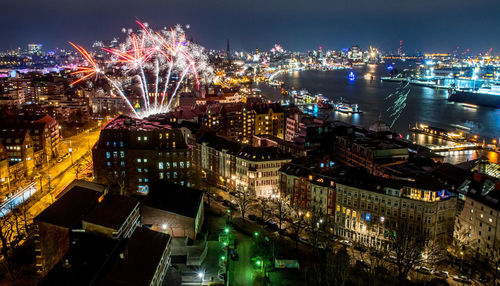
(323, 105)
(344, 107)
(488, 96)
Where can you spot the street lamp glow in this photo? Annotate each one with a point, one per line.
(226, 230)
(164, 226)
(200, 275)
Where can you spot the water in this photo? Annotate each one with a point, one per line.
(424, 105)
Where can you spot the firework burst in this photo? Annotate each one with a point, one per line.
(159, 63)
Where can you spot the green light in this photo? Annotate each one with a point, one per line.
(256, 234)
(226, 230)
(258, 262)
(223, 258)
(225, 243)
(228, 210)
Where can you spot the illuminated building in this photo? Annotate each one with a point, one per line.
(269, 120)
(257, 170)
(355, 54)
(368, 207)
(34, 48)
(135, 153)
(20, 151)
(478, 223)
(4, 169)
(308, 187)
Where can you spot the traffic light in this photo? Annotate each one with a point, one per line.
(256, 234)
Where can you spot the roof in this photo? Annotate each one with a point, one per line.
(112, 211)
(85, 258)
(262, 154)
(358, 177)
(220, 143)
(141, 254)
(69, 210)
(175, 199)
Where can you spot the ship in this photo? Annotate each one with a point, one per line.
(488, 96)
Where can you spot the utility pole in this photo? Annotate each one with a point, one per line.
(50, 191)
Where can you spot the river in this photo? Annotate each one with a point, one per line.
(423, 105)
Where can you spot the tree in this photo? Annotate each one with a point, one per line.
(265, 209)
(14, 230)
(282, 210)
(461, 241)
(244, 199)
(411, 246)
(298, 224)
(332, 269)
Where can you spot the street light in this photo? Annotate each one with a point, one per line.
(201, 275)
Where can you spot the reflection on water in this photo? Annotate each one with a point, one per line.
(426, 105)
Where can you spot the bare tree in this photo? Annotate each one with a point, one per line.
(411, 246)
(282, 210)
(244, 199)
(265, 209)
(14, 229)
(298, 224)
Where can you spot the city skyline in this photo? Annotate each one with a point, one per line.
(423, 27)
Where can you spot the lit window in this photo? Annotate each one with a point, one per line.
(139, 160)
(108, 155)
(181, 164)
(145, 160)
(139, 170)
(139, 138)
(160, 165)
(145, 138)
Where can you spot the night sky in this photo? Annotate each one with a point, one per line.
(423, 25)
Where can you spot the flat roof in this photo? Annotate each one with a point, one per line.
(174, 198)
(112, 211)
(142, 253)
(69, 210)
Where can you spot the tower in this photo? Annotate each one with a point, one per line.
(228, 53)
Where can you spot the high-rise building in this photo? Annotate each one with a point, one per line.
(135, 153)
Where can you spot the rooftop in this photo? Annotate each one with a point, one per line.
(112, 211)
(175, 199)
(136, 261)
(69, 210)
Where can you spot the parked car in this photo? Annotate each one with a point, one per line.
(66, 155)
(305, 241)
(441, 273)
(462, 279)
(345, 242)
(423, 270)
(270, 225)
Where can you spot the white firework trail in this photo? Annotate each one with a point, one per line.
(152, 56)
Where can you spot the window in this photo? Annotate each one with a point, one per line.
(145, 138)
(108, 155)
(160, 165)
(139, 160)
(122, 154)
(145, 160)
(139, 170)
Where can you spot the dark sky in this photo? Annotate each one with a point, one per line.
(423, 25)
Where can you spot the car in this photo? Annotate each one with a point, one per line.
(270, 225)
(234, 254)
(441, 273)
(462, 279)
(345, 242)
(65, 155)
(423, 270)
(59, 160)
(305, 241)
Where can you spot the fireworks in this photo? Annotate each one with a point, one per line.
(157, 62)
(399, 104)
